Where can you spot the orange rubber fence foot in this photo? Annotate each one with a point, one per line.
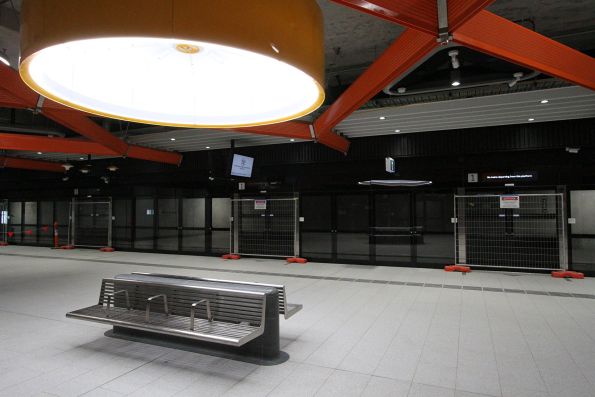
(230, 256)
(297, 260)
(67, 247)
(106, 249)
(567, 274)
(457, 268)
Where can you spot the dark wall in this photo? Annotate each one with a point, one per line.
(444, 157)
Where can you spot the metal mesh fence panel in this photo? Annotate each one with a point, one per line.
(265, 227)
(91, 223)
(4, 221)
(526, 231)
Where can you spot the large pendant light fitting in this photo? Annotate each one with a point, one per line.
(186, 63)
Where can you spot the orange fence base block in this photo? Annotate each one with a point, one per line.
(106, 249)
(297, 260)
(567, 274)
(230, 256)
(457, 268)
(67, 247)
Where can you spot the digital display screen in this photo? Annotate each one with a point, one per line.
(242, 166)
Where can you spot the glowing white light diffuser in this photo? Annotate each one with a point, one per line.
(172, 82)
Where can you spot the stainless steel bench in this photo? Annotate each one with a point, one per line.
(188, 309)
(285, 308)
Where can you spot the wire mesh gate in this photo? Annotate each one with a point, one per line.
(90, 223)
(3, 222)
(524, 231)
(265, 227)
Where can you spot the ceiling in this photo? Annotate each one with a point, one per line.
(505, 109)
(353, 40)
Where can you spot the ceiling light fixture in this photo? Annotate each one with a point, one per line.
(104, 61)
(397, 130)
(455, 78)
(453, 54)
(172, 139)
(530, 119)
(207, 147)
(382, 118)
(4, 57)
(39, 153)
(112, 168)
(67, 166)
(544, 101)
(292, 140)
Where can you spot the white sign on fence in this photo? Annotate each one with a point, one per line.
(260, 204)
(511, 202)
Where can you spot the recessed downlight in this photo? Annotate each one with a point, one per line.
(544, 101)
(530, 119)
(382, 118)
(292, 140)
(455, 83)
(39, 153)
(397, 130)
(207, 147)
(172, 139)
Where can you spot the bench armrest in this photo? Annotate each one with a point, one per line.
(148, 311)
(193, 311)
(111, 298)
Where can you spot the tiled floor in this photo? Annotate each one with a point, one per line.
(417, 332)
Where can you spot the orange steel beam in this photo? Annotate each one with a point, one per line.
(504, 39)
(288, 129)
(26, 164)
(460, 11)
(420, 15)
(409, 49)
(36, 143)
(81, 124)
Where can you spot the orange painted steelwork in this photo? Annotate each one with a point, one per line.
(420, 15)
(26, 164)
(502, 38)
(409, 48)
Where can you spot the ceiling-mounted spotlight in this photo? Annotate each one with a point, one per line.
(201, 51)
(455, 78)
(112, 168)
(4, 57)
(67, 166)
(516, 78)
(454, 60)
(85, 170)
